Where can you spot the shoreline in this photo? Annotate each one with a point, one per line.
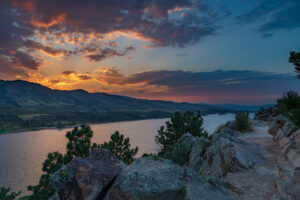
(29, 129)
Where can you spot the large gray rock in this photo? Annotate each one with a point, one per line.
(288, 181)
(281, 127)
(228, 154)
(188, 150)
(268, 114)
(150, 179)
(86, 178)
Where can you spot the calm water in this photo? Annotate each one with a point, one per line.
(22, 154)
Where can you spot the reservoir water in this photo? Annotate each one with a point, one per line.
(22, 154)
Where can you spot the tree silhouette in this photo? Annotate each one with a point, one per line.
(120, 146)
(295, 59)
(180, 124)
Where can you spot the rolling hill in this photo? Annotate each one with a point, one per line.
(26, 104)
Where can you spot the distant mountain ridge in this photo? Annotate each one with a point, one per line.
(24, 104)
(26, 95)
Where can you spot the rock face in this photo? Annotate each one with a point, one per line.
(268, 114)
(288, 181)
(281, 127)
(86, 178)
(188, 151)
(228, 154)
(287, 136)
(150, 179)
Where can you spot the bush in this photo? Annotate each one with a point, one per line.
(180, 124)
(120, 146)
(295, 116)
(4, 194)
(289, 101)
(242, 122)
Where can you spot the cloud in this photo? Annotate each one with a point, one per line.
(158, 21)
(14, 60)
(275, 15)
(72, 75)
(215, 87)
(62, 28)
(235, 86)
(101, 54)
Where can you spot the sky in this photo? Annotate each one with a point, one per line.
(216, 51)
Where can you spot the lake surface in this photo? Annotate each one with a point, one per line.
(22, 154)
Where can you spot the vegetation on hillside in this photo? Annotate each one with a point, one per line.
(290, 103)
(295, 59)
(120, 146)
(242, 122)
(14, 122)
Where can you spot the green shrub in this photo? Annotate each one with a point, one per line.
(120, 146)
(295, 116)
(242, 122)
(180, 124)
(79, 142)
(295, 59)
(289, 101)
(4, 194)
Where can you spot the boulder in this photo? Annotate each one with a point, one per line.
(86, 178)
(288, 181)
(281, 127)
(228, 154)
(188, 150)
(150, 179)
(267, 115)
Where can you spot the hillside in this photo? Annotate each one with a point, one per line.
(26, 104)
(31, 96)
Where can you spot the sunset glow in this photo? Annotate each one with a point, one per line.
(193, 51)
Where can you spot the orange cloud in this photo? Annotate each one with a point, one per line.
(39, 24)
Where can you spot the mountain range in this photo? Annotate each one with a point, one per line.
(37, 105)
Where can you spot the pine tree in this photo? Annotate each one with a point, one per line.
(295, 59)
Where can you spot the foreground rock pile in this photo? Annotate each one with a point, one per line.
(232, 165)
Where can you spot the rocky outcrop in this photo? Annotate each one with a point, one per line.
(281, 127)
(231, 165)
(287, 136)
(188, 150)
(228, 154)
(161, 179)
(288, 181)
(87, 178)
(268, 114)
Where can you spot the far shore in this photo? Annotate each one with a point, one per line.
(29, 129)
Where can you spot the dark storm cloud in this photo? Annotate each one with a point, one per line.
(149, 18)
(275, 15)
